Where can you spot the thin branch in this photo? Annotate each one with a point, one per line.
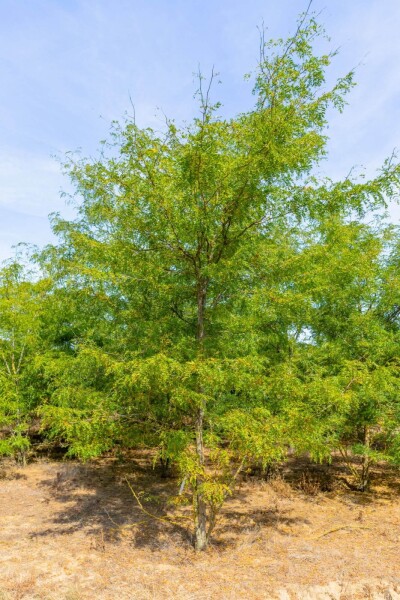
(179, 314)
(351, 468)
(133, 108)
(217, 299)
(21, 356)
(149, 514)
(205, 98)
(329, 531)
(216, 508)
(287, 49)
(300, 25)
(238, 470)
(350, 384)
(182, 486)
(6, 364)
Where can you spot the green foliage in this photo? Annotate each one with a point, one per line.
(348, 368)
(80, 412)
(21, 390)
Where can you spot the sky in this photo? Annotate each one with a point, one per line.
(70, 67)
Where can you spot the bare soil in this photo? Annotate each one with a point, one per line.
(72, 532)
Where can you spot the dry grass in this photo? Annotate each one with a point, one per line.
(73, 532)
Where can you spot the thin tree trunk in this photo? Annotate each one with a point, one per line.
(165, 464)
(199, 503)
(21, 460)
(200, 507)
(365, 465)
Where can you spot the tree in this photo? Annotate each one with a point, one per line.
(191, 241)
(347, 369)
(21, 389)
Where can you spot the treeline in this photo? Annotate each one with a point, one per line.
(215, 299)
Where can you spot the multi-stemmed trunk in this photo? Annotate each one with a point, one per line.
(360, 475)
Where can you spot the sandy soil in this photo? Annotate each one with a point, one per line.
(72, 532)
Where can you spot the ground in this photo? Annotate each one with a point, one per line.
(74, 532)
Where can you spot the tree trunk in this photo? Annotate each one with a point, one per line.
(21, 458)
(200, 507)
(200, 542)
(165, 465)
(365, 465)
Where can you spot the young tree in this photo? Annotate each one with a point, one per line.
(347, 366)
(21, 308)
(191, 240)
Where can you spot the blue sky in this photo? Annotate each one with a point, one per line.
(68, 67)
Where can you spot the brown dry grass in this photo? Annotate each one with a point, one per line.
(73, 532)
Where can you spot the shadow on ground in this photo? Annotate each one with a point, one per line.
(96, 498)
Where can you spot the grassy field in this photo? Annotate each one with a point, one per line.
(71, 532)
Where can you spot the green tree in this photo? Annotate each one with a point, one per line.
(21, 389)
(347, 368)
(190, 240)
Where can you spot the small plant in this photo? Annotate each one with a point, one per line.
(309, 484)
